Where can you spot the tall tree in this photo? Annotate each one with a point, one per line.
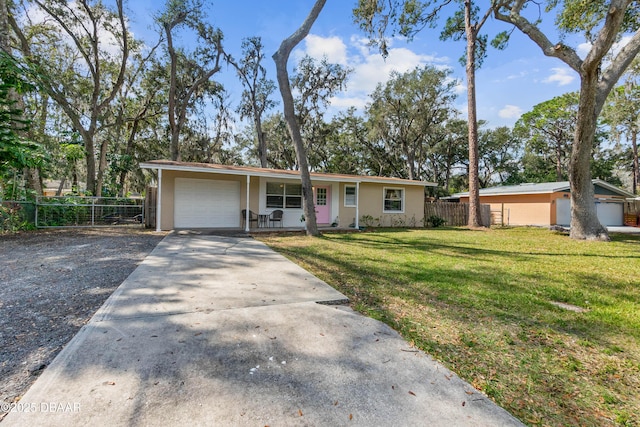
(449, 152)
(346, 147)
(189, 72)
(16, 152)
(257, 90)
(140, 104)
(548, 131)
(87, 77)
(603, 24)
(499, 150)
(408, 110)
(622, 113)
(32, 174)
(466, 21)
(315, 83)
(281, 57)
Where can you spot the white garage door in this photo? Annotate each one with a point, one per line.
(610, 213)
(563, 212)
(204, 203)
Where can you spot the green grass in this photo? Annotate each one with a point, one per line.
(481, 302)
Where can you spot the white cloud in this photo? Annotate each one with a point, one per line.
(368, 66)
(342, 103)
(510, 112)
(519, 75)
(561, 76)
(333, 48)
(583, 49)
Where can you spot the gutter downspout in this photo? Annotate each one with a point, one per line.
(246, 219)
(159, 202)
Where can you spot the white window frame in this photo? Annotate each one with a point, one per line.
(284, 195)
(355, 196)
(402, 200)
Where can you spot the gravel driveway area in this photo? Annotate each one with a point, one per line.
(51, 283)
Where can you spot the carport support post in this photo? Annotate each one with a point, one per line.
(246, 219)
(159, 202)
(357, 205)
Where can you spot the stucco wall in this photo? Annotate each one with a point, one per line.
(371, 203)
(370, 199)
(521, 209)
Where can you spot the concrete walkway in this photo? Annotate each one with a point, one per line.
(222, 331)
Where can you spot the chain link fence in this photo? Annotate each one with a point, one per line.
(76, 211)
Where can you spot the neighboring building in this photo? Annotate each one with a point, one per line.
(548, 203)
(203, 195)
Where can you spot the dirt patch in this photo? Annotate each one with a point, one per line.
(51, 283)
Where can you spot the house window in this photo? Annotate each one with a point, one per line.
(350, 196)
(393, 200)
(280, 195)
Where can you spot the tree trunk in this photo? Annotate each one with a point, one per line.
(34, 180)
(87, 138)
(262, 143)
(102, 167)
(173, 127)
(584, 218)
(636, 169)
(475, 220)
(281, 57)
(558, 161)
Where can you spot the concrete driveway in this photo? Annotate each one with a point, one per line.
(214, 330)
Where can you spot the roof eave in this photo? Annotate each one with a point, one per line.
(284, 174)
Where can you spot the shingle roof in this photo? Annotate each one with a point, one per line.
(275, 173)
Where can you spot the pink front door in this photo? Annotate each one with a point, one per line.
(322, 201)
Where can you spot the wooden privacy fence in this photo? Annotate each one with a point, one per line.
(456, 214)
(632, 213)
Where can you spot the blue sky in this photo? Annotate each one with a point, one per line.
(509, 83)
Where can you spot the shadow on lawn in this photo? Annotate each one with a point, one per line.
(480, 290)
(460, 249)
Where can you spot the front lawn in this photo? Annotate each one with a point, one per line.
(482, 302)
